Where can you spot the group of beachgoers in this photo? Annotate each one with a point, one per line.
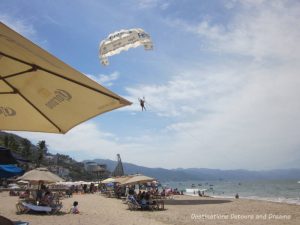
(146, 197)
(42, 197)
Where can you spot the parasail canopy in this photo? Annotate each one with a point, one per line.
(122, 41)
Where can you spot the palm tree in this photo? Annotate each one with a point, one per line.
(42, 150)
(26, 148)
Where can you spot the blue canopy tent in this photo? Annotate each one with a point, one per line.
(7, 167)
(7, 171)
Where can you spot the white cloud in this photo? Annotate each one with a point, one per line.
(105, 80)
(85, 138)
(245, 114)
(257, 128)
(87, 141)
(235, 117)
(262, 31)
(146, 4)
(21, 26)
(188, 93)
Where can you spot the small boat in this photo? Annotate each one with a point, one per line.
(193, 185)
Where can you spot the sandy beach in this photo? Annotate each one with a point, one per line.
(96, 209)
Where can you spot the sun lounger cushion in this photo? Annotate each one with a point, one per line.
(37, 207)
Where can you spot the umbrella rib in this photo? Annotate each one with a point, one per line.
(30, 103)
(7, 92)
(19, 73)
(35, 67)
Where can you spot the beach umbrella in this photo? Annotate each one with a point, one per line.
(39, 175)
(122, 179)
(39, 92)
(138, 179)
(108, 180)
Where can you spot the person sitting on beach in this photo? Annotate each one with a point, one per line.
(131, 191)
(138, 197)
(47, 199)
(25, 194)
(144, 202)
(74, 209)
(142, 196)
(147, 196)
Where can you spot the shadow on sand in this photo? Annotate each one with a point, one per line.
(195, 202)
(60, 213)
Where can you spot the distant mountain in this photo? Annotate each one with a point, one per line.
(199, 174)
(159, 173)
(164, 175)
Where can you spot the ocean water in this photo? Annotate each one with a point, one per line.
(287, 191)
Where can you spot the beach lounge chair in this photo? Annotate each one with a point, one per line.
(25, 207)
(133, 204)
(6, 221)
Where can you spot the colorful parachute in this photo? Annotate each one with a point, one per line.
(123, 40)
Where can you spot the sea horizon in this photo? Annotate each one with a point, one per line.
(279, 190)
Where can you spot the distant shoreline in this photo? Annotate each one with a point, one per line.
(254, 198)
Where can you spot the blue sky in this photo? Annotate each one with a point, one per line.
(221, 85)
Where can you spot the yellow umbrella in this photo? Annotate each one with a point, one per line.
(39, 92)
(40, 174)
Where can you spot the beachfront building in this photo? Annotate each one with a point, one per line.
(100, 170)
(60, 171)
